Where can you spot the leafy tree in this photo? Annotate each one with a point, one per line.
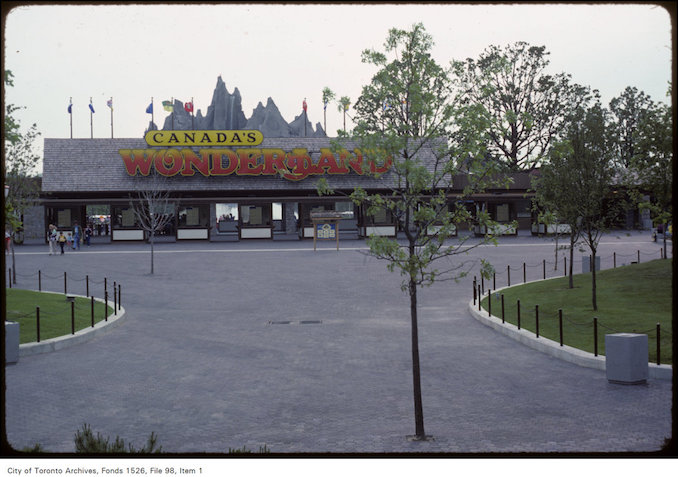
(524, 103)
(629, 111)
(328, 96)
(342, 106)
(411, 117)
(85, 442)
(18, 170)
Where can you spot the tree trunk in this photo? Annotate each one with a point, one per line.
(571, 279)
(416, 374)
(11, 247)
(593, 280)
(152, 241)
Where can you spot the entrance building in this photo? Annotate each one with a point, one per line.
(229, 192)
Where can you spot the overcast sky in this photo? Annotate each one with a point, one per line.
(290, 52)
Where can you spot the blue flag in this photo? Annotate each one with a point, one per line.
(91, 108)
(70, 108)
(149, 110)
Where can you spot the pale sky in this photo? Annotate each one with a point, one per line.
(291, 52)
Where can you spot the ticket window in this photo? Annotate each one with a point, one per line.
(256, 220)
(227, 218)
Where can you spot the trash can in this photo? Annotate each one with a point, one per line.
(11, 342)
(626, 358)
(586, 263)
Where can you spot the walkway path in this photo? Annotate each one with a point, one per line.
(204, 362)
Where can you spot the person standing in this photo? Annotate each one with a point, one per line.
(51, 238)
(88, 234)
(77, 233)
(62, 241)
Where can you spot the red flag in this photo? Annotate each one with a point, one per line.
(305, 105)
(188, 107)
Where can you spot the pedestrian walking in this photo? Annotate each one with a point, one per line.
(62, 241)
(52, 238)
(88, 234)
(77, 233)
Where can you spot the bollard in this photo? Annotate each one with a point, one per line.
(560, 325)
(595, 336)
(508, 275)
(502, 308)
(73, 317)
(479, 298)
(482, 284)
(614, 259)
(659, 348)
(494, 280)
(489, 302)
(536, 319)
(518, 314)
(106, 306)
(37, 322)
(105, 285)
(9, 276)
(565, 266)
(544, 266)
(638, 256)
(87, 285)
(474, 290)
(524, 273)
(119, 297)
(115, 299)
(65, 284)
(39, 280)
(92, 312)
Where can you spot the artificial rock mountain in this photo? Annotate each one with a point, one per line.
(225, 113)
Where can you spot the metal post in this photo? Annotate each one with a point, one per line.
(518, 314)
(565, 266)
(115, 299)
(37, 322)
(560, 325)
(659, 348)
(65, 284)
(482, 284)
(92, 314)
(119, 297)
(544, 266)
(87, 285)
(536, 319)
(489, 302)
(39, 280)
(105, 285)
(474, 290)
(502, 308)
(524, 273)
(9, 276)
(494, 280)
(106, 306)
(508, 275)
(479, 298)
(73, 317)
(595, 336)
(614, 260)
(638, 256)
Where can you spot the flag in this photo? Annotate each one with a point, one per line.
(91, 108)
(70, 108)
(346, 107)
(188, 107)
(168, 106)
(304, 105)
(386, 106)
(325, 106)
(149, 110)
(109, 103)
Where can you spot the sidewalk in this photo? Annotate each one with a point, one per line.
(268, 343)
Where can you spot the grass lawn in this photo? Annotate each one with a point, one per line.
(631, 299)
(55, 313)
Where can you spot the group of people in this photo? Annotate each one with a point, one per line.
(72, 240)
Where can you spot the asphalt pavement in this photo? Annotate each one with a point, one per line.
(270, 343)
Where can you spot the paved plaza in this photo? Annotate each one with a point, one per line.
(270, 343)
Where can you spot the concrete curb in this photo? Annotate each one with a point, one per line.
(552, 348)
(66, 341)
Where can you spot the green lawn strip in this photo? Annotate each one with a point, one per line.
(55, 314)
(631, 299)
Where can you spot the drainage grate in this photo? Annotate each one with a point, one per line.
(306, 322)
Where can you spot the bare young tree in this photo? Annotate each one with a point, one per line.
(152, 208)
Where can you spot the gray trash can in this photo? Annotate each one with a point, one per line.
(626, 358)
(11, 342)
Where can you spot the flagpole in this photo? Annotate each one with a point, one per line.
(111, 117)
(152, 120)
(172, 114)
(192, 115)
(70, 113)
(91, 119)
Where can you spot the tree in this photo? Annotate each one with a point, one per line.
(524, 103)
(410, 117)
(342, 106)
(152, 209)
(646, 150)
(629, 111)
(19, 171)
(592, 173)
(328, 96)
